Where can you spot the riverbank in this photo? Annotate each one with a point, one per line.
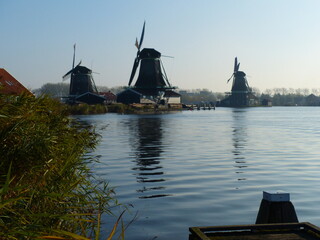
(46, 187)
(85, 109)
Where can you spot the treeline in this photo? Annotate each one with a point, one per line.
(200, 95)
(58, 90)
(278, 96)
(291, 97)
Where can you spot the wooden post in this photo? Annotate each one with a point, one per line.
(276, 208)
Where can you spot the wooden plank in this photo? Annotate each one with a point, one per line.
(296, 231)
(253, 226)
(264, 236)
(312, 227)
(198, 233)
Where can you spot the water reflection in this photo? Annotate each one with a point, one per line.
(146, 140)
(239, 139)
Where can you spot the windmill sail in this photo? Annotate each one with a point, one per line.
(235, 68)
(137, 59)
(142, 36)
(134, 69)
(74, 55)
(68, 74)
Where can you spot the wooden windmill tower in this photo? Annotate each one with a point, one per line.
(82, 86)
(152, 84)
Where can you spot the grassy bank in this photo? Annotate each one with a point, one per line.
(85, 109)
(142, 108)
(46, 188)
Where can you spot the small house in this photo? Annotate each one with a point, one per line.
(312, 100)
(109, 96)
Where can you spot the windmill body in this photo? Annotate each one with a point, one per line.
(150, 74)
(152, 85)
(240, 83)
(241, 94)
(80, 81)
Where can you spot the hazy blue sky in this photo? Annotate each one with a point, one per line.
(276, 41)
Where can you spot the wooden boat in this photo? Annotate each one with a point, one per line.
(289, 231)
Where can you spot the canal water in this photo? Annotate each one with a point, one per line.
(202, 168)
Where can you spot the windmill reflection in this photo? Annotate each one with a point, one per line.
(147, 141)
(239, 137)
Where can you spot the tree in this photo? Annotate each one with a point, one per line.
(55, 90)
(315, 91)
(256, 91)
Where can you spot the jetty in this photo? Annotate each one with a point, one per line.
(276, 220)
(200, 106)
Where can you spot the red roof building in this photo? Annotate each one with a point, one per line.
(110, 97)
(11, 86)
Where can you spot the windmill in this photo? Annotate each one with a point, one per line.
(151, 74)
(152, 83)
(241, 94)
(82, 86)
(239, 82)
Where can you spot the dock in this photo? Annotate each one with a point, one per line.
(201, 106)
(288, 231)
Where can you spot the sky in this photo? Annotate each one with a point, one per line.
(277, 42)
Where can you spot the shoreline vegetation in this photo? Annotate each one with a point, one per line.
(85, 109)
(47, 190)
(278, 96)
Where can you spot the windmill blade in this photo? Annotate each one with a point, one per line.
(94, 86)
(64, 78)
(235, 65)
(134, 69)
(142, 35)
(238, 66)
(136, 61)
(67, 75)
(74, 55)
(230, 77)
(166, 56)
(165, 74)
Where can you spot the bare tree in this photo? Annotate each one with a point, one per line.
(56, 90)
(315, 91)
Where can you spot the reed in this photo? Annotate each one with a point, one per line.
(46, 188)
(85, 109)
(120, 108)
